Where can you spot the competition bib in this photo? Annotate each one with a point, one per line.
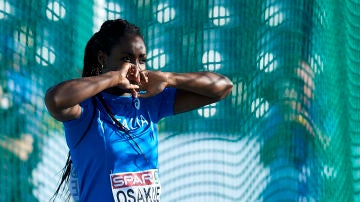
(136, 186)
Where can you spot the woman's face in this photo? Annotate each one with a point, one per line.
(128, 50)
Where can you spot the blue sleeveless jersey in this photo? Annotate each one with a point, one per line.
(104, 149)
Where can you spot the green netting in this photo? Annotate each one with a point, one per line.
(289, 131)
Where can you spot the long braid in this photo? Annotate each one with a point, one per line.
(64, 178)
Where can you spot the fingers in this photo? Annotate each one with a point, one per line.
(137, 75)
(144, 76)
(134, 93)
(126, 69)
(138, 79)
(135, 78)
(133, 74)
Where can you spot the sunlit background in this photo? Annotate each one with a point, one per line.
(289, 131)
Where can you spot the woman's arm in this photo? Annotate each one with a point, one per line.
(62, 100)
(194, 89)
(198, 89)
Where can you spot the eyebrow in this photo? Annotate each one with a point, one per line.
(132, 54)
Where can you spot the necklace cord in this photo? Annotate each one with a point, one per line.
(120, 126)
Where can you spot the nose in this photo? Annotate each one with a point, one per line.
(138, 65)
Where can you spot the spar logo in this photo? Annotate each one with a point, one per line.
(121, 180)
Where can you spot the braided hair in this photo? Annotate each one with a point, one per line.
(104, 40)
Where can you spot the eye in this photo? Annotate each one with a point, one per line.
(126, 59)
(142, 60)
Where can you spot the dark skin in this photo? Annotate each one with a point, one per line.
(124, 73)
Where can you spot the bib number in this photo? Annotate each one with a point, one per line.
(136, 186)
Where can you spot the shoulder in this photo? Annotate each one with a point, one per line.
(87, 108)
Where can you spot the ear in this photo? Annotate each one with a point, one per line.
(101, 57)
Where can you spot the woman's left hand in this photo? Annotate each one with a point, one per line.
(155, 83)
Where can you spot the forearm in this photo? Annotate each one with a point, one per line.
(71, 93)
(207, 84)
